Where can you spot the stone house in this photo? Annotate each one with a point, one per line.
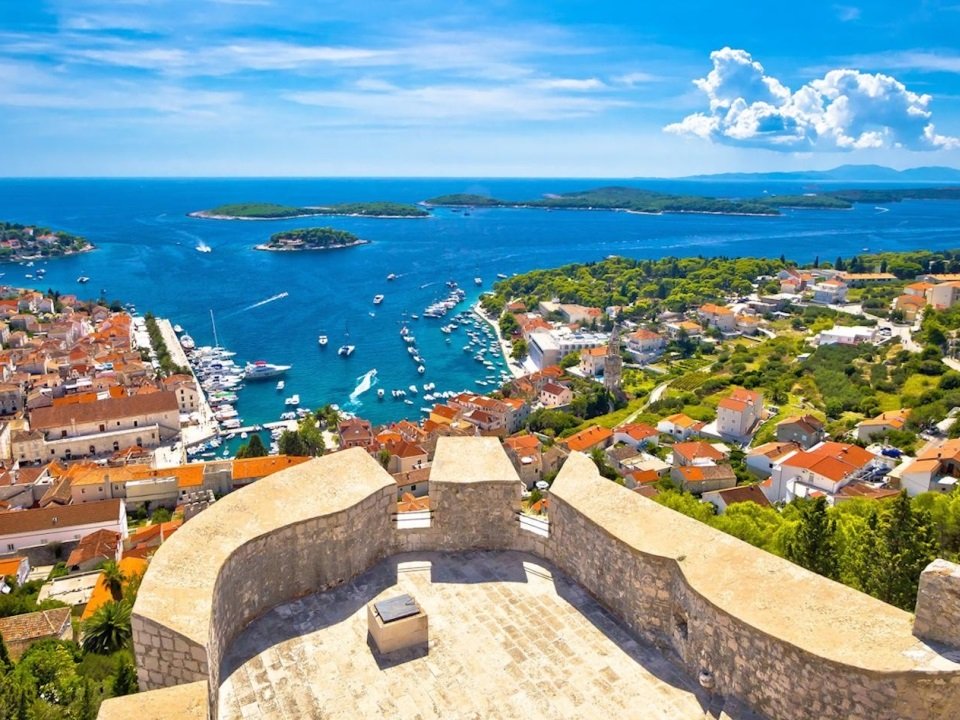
(805, 430)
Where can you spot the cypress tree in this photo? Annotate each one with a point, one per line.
(813, 544)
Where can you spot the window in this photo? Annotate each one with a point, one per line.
(92, 449)
(63, 433)
(135, 422)
(10, 547)
(103, 428)
(413, 487)
(116, 446)
(83, 491)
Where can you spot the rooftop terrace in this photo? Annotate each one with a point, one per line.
(510, 637)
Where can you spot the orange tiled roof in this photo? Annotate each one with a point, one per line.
(586, 439)
(694, 450)
(130, 567)
(246, 468)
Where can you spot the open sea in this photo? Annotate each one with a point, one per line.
(272, 306)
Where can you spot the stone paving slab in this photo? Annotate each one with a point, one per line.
(510, 637)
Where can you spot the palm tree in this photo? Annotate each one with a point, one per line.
(114, 579)
(108, 629)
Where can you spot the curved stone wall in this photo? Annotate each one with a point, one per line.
(785, 641)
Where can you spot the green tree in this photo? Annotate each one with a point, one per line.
(48, 672)
(161, 515)
(6, 664)
(519, 349)
(906, 544)
(384, 457)
(569, 360)
(291, 443)
(125, 682)
(108, 629)
(252, 449)
(114, 579)
(813, 543)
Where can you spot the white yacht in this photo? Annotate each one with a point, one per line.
(377, 299)
(261, 369)
(187, 342)
(380, 393)
(346, 350)
(322, 341)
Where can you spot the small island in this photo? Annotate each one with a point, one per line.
(319, 238)
(31, 242)
(273, 211)
(627, 199)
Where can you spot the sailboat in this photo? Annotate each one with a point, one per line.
(346, 350)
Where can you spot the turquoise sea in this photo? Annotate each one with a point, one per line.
(146, 255)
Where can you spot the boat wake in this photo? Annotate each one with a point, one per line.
(881, 209)
(364, 383)
(272, 298)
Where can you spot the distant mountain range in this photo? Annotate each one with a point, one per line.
(845, 173)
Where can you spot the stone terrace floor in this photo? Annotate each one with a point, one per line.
(510, 637)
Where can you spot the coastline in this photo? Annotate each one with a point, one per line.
(31, 258)
(204, 215)
(512, 365)
(272, 248)
(629, 211)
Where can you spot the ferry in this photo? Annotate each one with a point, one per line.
(322, 340)
(346, 350)
(377, 299)
(261, 370)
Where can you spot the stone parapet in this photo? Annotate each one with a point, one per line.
(749, 625)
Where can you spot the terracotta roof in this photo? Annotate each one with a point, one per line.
(554, 389)
(259, 467)
(594, 352)
(638, 431)
(744, 493)
(644, 334)
(524, 442)
(648, 491)
(99, 544)
(408, 450)
(641, 477)
(701, 473)
(681, 420)
(417, 475)
(863, 490)
(834, 461)
(921, 286)
(807, 423)
(445, 411)
(695, 450)
(950, 450)
(894, 418)
(711, 309)
(34, 626)
(57, 494)
(410, 503)
(53, 417)
(101, 595)
(915, 300)
(10, 566)
(774, 450)
(586, 439)
(26, 521)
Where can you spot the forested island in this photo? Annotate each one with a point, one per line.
(273, 211)
(647, 201)
(319, 238)
(29, 242)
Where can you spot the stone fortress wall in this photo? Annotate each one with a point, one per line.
(786, 642)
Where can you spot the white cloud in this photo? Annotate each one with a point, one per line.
(570, 84)
(847, 13)
(844, 110)
(635, 78)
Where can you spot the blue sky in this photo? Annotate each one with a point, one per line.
(422, 88)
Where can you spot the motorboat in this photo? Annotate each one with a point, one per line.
(261, 370)
(322, 341)
(377, 299)
(177, 329)
(83, 279)
(346, 350)
(293, 400)
(478, 281)
(421, 369)
(380, 393)
(187, 342)
(392, 276)
(280, 385)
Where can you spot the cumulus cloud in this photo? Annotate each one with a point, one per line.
(844, 110)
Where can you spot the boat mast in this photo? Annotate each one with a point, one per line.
(216, 343)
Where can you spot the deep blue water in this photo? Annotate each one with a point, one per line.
(146, 256)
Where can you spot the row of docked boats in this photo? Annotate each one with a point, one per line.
(441, 307)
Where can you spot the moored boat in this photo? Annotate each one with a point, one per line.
(346, 350)
(261, 370)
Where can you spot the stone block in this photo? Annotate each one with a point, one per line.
(938, 604)
(408, 633)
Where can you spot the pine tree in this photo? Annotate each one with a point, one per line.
(125, 683)
(813, 544)
(6, 664)
(838, 265)
(906, 543)
(252, 449)
(816, 261)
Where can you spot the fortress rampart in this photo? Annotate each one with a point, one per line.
(754, 627)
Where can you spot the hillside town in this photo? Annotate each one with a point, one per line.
(718, 403)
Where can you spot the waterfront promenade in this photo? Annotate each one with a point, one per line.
(206, 426)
